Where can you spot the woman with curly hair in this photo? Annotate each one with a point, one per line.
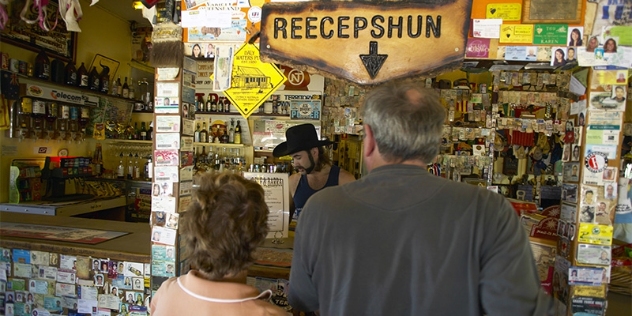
(224, 224)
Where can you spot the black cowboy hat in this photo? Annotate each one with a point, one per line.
(299, 137)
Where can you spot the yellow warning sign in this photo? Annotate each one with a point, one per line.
(253, 81)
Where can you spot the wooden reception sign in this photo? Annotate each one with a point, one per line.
(366, 43)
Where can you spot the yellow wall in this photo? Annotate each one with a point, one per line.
(102, 33)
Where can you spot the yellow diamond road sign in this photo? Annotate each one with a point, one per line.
(253, 81)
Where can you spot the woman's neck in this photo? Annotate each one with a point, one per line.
(234, 278)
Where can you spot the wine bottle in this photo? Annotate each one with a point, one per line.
(82, 76)
(70, 74)
(132, 91)
(231, 132)
(94, 79)
(204, 134)
(119, 91)
(42, 65)
(105, 80)
(125, 92)
(143, 131)
(238, 133)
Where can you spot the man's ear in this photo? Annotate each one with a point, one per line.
(369, 141)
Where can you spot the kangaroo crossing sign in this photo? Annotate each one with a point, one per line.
(363, 42)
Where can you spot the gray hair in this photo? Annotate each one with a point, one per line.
(405, 128)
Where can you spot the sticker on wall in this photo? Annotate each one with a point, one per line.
(594, 165)
(595, 234)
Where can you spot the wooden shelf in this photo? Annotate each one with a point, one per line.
(220, 145)
(114, 140)
(72, 88)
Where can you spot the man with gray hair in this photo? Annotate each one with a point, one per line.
(401, 241)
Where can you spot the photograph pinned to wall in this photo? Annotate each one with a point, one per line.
(172, 221)
(576, 152)
(604, 212)
(158, 218)
(609, 174)
(610, 190)
(566, 153)
(558, 57)
(589, 195)
(575, 36)
(569, 192)
(587, 213)
(571, 55)
(571, 172)
(137, 284)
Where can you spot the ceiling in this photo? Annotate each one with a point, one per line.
(122, 9)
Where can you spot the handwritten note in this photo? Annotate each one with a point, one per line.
(516, 33)
(504, 11)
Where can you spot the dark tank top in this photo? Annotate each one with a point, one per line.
(304, 191)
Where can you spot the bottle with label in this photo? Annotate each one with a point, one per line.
(213, 104)
(70, 74)
(231, 132)
(143, 131)
(130, 167)
(63, 117)
(220, 105)
(226, 105)
(42, 66)
(95, 80)
(204, 134)
(224, 134)
(238, 133)
(113, 87)
(149, 169)
(125, 92)
(136, 167)
(209, 105)
(132, 91)
(196, 134)
(119, 91)
(82, 76)
(120, 170)
(105, 80)
(136, 131)
(150, 131)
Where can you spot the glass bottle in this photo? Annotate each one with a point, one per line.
(204, 134)
(143, 131)
(220, 105)
(70, 74)
(150, 131)
(149, 169)
(105, 80)
(42, 65)
(231, 132)
(130, 167)
(132, 91)
(120, 170)
(125, 89)
(196, 134)
(238, 133)
(82, 76)
(136, 131)
(209, 104)
(136, 167)
(95, 80)
(113, 87)
(226, 105)
(119, 86)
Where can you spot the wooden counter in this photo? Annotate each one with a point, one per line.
(135, 246)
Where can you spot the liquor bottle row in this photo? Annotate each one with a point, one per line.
(129, 131)
(212, 104)
(219, 160)
(218, 133)
(36, 119)
(98, 81)
(135, 163)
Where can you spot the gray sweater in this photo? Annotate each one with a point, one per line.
(401, 241)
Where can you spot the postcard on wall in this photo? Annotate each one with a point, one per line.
(165, 204)
(167, 157)
(166, 174)
(516, 33)
(486, 28)
(167, 123)
(595, 234)
(167, 141)
(224, 55)
(163, 235)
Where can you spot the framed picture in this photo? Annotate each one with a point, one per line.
(58, 43)
(545, 11)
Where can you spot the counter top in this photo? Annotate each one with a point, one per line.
(135, 246)
(65, 208)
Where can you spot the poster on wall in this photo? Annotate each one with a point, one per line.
(277, 197)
